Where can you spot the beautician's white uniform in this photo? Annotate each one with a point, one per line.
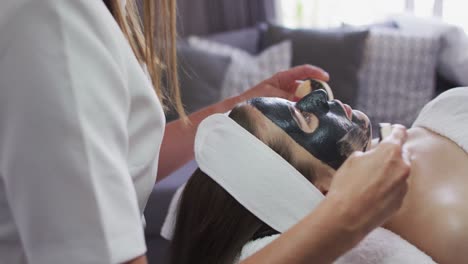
(80, 132)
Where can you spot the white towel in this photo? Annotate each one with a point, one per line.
(447, 115)
(380, 247)
(252, 173)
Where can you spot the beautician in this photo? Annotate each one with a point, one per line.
(82, 129)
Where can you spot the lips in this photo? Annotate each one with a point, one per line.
(346, 108)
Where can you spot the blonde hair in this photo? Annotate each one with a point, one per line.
(152, 35)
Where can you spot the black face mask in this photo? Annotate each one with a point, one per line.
(335, 138)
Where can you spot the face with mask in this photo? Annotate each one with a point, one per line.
(328, 129)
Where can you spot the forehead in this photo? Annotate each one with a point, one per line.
(276, 109)
(272, 105)
(272, 101)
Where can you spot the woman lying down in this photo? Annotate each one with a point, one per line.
(219, 221)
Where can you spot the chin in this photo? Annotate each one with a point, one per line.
(365, 123)
(361, 116)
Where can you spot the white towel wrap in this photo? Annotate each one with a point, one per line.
(381, 246)
(255, 175)
(447, 115)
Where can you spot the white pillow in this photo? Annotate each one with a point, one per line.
(397, 77)
(453, 56)
(247, 70)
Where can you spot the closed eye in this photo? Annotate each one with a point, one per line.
(307, 122)
(307, 117)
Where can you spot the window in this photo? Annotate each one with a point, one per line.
(329, 13)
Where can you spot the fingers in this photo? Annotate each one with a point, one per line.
(393, 144)
(374, 182)
(392, 155)
(392, 158)
(398, 135)
(396, 201)
(283, 94)
(287, 79)
(401, 193)
(397, 197)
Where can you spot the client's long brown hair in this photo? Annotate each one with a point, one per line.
(211, 226)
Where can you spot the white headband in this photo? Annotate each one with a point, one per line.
(256, 176)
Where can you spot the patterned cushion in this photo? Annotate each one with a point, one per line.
(397, 76)
(453, 58)
(247, 70)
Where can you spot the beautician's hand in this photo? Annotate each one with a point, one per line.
(283, 84)
(370, 186)
(366, 190)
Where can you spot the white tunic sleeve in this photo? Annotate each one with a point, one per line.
(64, 108)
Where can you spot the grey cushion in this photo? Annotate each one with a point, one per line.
(247, 70)
(338, 51)
(452, 61)
(245, 39)
(201, 76)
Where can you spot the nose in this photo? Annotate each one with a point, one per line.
(317, 100)
(319, 94)
(322, 93)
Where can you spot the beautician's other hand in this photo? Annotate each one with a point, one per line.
(283, 84)
(370, 186)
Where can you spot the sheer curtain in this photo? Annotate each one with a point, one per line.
(327, 13)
